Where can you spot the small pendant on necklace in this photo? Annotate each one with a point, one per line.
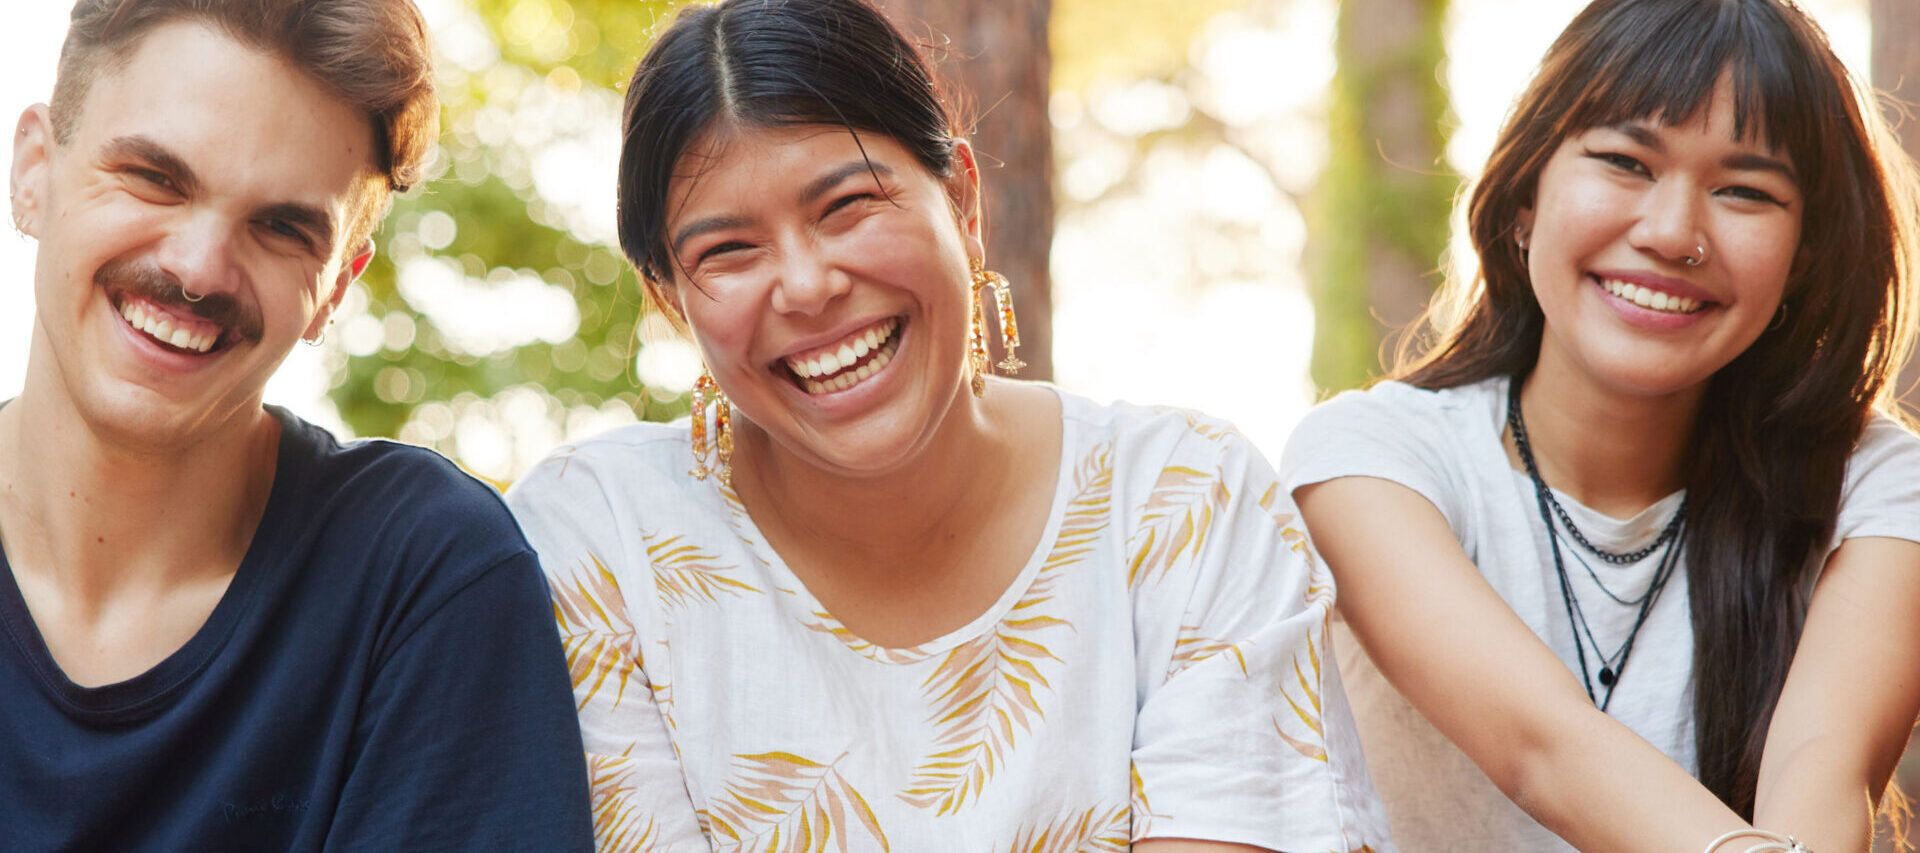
(1606, 676)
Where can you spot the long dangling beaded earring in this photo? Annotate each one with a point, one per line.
(977, 338)
(720, 451)
(984, 280)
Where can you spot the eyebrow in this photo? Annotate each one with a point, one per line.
(144, 149)
(819, 186)
(706, 226)
(156, 155)
(813, 190)
(1758, 163)
(305, 216)
(1743, 162)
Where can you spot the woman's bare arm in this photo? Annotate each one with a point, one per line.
(1850, 698)
(1452, 646)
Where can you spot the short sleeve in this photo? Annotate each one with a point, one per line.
(1243, 734)
(1393, 432)
(465, 740)
(640, 798)
(1882, 492)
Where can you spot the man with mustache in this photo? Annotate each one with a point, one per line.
(220, 629)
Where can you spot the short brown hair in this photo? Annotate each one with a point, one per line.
(372, 53)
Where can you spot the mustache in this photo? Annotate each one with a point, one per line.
(149, 282)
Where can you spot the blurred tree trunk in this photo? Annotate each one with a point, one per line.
(1896, 59)
(1896, 71)
(998, 52)
(1380, 218)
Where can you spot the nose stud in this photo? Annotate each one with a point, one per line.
(1698, 257)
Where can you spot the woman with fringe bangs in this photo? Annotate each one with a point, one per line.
(1630, 554)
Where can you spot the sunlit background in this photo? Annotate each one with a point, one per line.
(1195, 152)
(1186, 156)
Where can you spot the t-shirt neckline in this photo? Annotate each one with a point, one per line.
(136, 696)
(1606, 530)
(750, 535)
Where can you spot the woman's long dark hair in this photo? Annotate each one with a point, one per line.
(1776, 425)
(767, 63)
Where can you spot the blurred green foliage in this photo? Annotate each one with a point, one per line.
(504, 229)
(590, 370)
(411, 379)
(1381, 220)
(598, 40)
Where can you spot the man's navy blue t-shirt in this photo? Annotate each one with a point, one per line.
(383, 673)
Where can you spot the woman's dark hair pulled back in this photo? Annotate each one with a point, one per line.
(767, 63)
(1778, 424)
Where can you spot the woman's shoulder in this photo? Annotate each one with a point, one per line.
(598, 508)
(1886, 458)
(1396, 402)
(1886, 436)
(1881, 494)
(1149, 436)
(637, 461)
(1430, 440)
(1400, 414)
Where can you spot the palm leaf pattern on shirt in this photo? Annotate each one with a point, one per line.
(1319, 580)
(1092, 831)
(1306, 707)
(1174, 522)
(1203, 426)
(1191, 647)
(1142, 815)
(987, 691)
(779, 801)
(662, 693)
(824, 623)
(617, 823)
(596, 630)
(1270, 504)
(685, 574)
(741, 522)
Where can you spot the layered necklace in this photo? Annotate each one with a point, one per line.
(1671, 538)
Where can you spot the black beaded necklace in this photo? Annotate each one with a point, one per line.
(1672, 536)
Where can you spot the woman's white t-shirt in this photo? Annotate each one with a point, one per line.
(1157, 669)
(1446, 445)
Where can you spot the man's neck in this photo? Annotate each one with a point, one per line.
(1614, 452)
(95, 519)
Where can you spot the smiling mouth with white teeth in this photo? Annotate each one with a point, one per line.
(848, 362)
(190, 336)
(1652, 300)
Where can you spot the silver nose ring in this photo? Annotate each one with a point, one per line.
(192, 298)
(1698, 257)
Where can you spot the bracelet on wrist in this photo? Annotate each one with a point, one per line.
(1771, 842)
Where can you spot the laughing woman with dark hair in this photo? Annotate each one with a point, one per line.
(898, 603)
(1640, 515)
